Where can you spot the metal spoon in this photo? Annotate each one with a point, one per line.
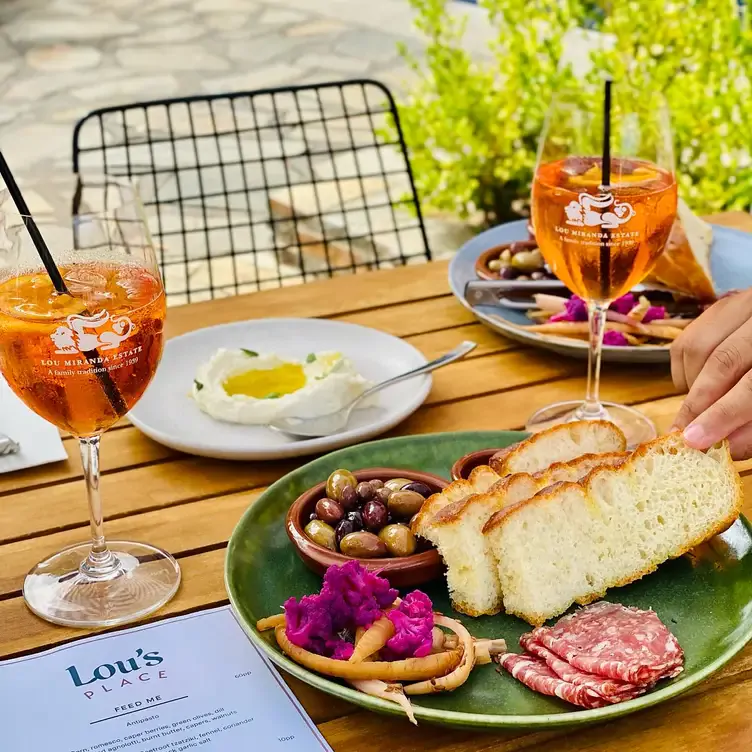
(326, 425)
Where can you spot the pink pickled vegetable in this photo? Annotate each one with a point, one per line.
(654, 313)
(575, 309)
(624, 304)
(615, 339)
(363, 593)
(352, 597)
(413, 628)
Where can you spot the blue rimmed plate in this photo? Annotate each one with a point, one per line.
(730, 261)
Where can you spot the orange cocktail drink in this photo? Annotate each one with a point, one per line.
(63, 354)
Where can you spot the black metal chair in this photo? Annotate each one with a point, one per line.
(257, 189)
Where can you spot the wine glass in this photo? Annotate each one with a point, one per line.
(82, 359)
(603, 203)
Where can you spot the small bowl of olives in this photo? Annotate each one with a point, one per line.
(365, 515)
(521, 260)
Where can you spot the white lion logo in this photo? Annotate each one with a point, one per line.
(107, 335)
(587, 211)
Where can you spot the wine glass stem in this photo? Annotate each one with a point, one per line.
(101, 563)
(592, 407)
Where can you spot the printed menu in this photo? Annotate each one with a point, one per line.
(192, 682)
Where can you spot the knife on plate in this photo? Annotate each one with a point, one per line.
(518, 295)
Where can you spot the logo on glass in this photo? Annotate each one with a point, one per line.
(85, 333)
(598, 211)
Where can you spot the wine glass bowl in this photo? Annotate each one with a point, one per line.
(80, 352)
(115, 312)
(603, 204)
(575, 219)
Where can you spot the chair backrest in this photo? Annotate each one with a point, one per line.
(256, 189)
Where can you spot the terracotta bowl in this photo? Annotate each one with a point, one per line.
(482, 269)
(403, 571)
(481, 263)
(465, 465)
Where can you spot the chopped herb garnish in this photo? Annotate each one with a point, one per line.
(273, 395)
(199, 386)
(250, 353)
(310, 358)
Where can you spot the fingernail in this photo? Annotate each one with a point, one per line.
(695, 435)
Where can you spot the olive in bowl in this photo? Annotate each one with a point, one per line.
(521, 260)
(376, 531)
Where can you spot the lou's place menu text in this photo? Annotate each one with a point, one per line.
(194, 682)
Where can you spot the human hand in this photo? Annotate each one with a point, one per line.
(712, 360)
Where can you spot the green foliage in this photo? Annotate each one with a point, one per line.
(472, 125)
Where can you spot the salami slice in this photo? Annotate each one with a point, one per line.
(536, 675)
(615, 642)
(611, 690)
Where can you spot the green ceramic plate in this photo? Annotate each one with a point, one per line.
(706, 603)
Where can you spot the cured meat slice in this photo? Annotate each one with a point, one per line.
(611, 690)
(616, 642)
(536, 675)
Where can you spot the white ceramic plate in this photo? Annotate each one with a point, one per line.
(167, 414)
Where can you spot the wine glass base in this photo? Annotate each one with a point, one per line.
(58, 591)
(637, 427)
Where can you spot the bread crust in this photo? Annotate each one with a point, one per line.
(467, 610)
(436, 502)
(607, 460)
(502, 465)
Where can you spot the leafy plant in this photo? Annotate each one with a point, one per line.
(472, 125)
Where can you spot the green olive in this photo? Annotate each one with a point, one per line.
(527, 261)
(321, 533)
(506, 256)
(338, 481)
(399, 540)
(405, 504)
(383, 494)
(494, 265)
(396, 483)
(362, 545)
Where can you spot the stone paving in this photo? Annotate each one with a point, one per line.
(59, 59)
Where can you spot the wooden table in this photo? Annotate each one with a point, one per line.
(190, 505)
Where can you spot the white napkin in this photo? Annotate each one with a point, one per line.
(40, 441)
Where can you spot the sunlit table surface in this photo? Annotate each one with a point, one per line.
(190, 505)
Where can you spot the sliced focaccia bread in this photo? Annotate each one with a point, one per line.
(559, 444)
(572, 541)
(456, 530)
(684, 266)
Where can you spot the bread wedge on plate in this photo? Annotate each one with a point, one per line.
(457, 530)
(570, 542)
(559, 444)
(684, 266)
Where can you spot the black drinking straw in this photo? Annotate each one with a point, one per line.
(108, 385)
(605, 256)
